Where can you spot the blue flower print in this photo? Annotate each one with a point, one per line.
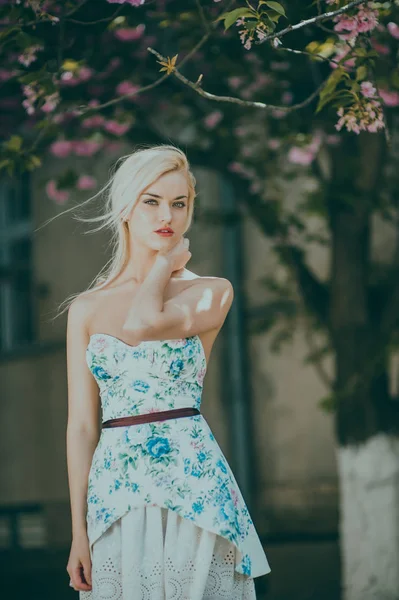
(132, 485)
(246, 564)
(176, 367)
(227, 511)
(198, 507)
(140, 386)
(196, 472)
(116, 486)
(221, 466)
(101, 373)
(190, 349)
(157, 446)
(201, 456)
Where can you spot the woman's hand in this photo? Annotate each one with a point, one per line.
(79, 564)
(178, 256)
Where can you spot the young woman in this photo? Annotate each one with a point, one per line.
(156, 510)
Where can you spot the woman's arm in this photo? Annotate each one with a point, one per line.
(201, 307)
(83, 414)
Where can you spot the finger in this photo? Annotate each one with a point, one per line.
(78, 579)
(87, 572)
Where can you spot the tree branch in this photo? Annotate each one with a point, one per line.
(234, 100)
(321, 17)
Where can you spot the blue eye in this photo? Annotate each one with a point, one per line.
(152, 200)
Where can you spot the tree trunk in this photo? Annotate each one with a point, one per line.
(366, 417)
(369, 518)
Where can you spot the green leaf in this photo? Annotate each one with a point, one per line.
(361, 73)
(14, 143)
(276, 6)
(4, 164)
(33, 162)
(231, 17)
(328, 404)
(327, 93)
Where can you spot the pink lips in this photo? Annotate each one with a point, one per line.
(165, 233)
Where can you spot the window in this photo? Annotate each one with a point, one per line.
(16, 282)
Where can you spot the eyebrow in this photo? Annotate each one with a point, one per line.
(156, 195)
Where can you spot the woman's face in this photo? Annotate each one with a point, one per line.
(163, 204)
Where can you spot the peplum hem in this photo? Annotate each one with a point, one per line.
(250, 556)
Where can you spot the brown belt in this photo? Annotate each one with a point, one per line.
(161, 415)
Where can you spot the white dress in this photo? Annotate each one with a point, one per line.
(166, 519)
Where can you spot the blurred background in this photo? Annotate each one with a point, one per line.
(296, 157)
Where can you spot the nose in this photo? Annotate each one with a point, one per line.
(165, 214)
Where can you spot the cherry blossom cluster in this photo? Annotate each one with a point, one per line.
(29, 55)
(350, 26)
(84, 182)
(361, 116)
(33, 94)
(246, 36)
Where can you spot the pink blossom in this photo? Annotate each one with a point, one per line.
(59, 196)
(300, 156)
(93, 122)
(345, 23)
(237, 167)
(235, 81)
(213, 119)
(29, 55)
(366, 19)
(274, 144)
(126, 87)
(361, 116)
(287, 97)
(86, 182)
(279, 65)
(248, 151)
(51, 102)
(117, 128)
(85, 73)
(128, 34)
(389, 97)
(277, 113)
(241, 131)
(333, 139)
(255, 187)
(393, 29)
(61, 148)
(86, 147)
(380, 48)
(131, 2)
(71, 79)
(367, 89)
(5, 74)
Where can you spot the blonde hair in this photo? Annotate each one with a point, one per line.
(136, 172)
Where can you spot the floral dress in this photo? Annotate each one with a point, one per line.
(168, 479)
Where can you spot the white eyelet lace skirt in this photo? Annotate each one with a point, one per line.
(151, 553)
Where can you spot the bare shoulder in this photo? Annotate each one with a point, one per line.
(79, 311)
(215, 283)
(215, 292)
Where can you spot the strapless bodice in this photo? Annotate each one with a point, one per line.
(152, 376)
